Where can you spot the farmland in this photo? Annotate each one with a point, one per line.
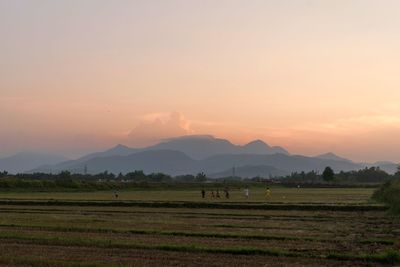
(295, 226)
(257, 195)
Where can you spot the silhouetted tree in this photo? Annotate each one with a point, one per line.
(185, 178)
(397, 174)
(64, 175)
(328, 174)
(159, 177)
(120, 176)
(137, 176)
(201, 177)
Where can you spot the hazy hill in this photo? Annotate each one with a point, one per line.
(25, 161)
(165, 161)
(203, 146)
(118, 150)
(283, 162)
(195, 146)
(78, 165)
(192, 154)
(176, 163)
(260, 147)
(332, 156)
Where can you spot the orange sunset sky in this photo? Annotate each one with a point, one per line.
(311, 76)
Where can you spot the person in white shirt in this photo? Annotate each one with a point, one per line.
(247, 192)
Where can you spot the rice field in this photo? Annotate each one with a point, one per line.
(294, 227)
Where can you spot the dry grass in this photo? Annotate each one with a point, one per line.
(154, 236)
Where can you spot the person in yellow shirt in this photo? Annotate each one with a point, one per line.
(268, 193)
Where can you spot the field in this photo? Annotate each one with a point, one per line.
(257, 194)
(295, 227)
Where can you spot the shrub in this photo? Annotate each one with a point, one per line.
(389, 193)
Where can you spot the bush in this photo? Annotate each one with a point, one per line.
(389, 193)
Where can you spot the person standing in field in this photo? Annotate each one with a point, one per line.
(247, 192)
(226, 193)
(212, 194)
(203, 193)
(116, 194)
(218, 196)
(268, 193)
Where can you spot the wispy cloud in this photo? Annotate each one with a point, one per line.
(157, 126)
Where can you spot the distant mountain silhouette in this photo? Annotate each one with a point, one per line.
(193, 154)
(332, 156)
(198, 146)
(195, 146)
(165, 161)
(78, 165)
(260, 147)
(25, 161)
(282, 162)
(202, 146)
(177, 163)
(118, 150)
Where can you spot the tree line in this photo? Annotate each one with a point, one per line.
(100, 181)
(104, 180)
(371, 175)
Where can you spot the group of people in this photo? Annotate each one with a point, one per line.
(216, 194)
(267, 193)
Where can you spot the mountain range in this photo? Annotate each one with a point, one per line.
(28, 160)
(192, 154)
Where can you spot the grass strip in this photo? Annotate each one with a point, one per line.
(157, 232)
(193, 215)
(104, 243)
(188, 204)
(46, 262)
(190, 234)
(392, 257)
(387, 257)
(377, 241)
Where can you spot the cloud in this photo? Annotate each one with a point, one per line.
(157, 126)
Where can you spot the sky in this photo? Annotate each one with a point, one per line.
(311, 76)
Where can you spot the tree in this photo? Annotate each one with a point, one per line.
(185, 178)
(159, 178)
(328, 174)
(120, 176)
(64, 175)
(397, 174)
(201, 177)
(311, 176)
(136, 176)
(389, 193)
